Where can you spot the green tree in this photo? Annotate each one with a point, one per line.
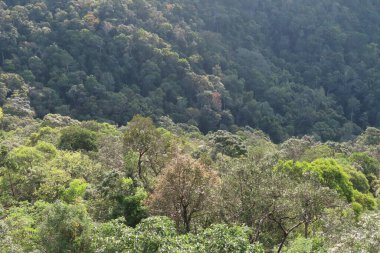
(65, 227)
(152, 146)
(227, 144)
(274, 204)
(77, 138)
(330, 174)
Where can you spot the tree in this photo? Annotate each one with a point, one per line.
(220, 238)
(342, 233)
(184, 191)
(302, 205)
(65, 228)
(77, 138)
(140, 137)
(113, 236)
(116, 196)
(329, 172)
(227, 144)
(154, 147)
(19, 105)
(369, 165)
(371, 136)
(53, 185)
(264, 199)
(22, 173)
(152, 233)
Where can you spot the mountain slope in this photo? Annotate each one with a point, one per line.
(286, 67)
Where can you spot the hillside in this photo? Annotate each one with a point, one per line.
(286, 67)
(181, 126)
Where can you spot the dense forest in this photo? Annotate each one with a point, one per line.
(177, 126)
(214, 64)
(84, 186)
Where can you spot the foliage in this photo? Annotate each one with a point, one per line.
(367, 164)
(75, 191)
(360, 237)
(152, 145)
(220, 192)
(112, 236)
(222, 238)
(370, 137)
(216, 66)
(330, 174)
(306, 245)
(76, 138)
(227, 144)
(158, 234)
(65, 227)
(272, 202)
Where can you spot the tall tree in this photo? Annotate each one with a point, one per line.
(154, 147)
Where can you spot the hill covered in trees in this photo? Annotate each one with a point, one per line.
(166, 126)
(289, 67)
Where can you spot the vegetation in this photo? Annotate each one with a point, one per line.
(214, 65)
(75, 186)
(189, 126)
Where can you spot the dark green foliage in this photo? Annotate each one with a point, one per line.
(77, 138)
(227, 144)
(128, 199)
(215, 65)
(134, 211)
(83, 178)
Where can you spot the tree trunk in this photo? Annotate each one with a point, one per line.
(186, 219)
(282, 242)
(258, 230)
(139, 166)
(11, 185)
(306, 233)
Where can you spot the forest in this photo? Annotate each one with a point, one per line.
(214, 64)
(177, 126)
(85, 186)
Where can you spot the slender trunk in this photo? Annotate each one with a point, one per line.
(285, 232)
(187, 226)
(139, 166)
(11, 185)
(306, 233)
(186, 219)
(258, 230)
(282, 242)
